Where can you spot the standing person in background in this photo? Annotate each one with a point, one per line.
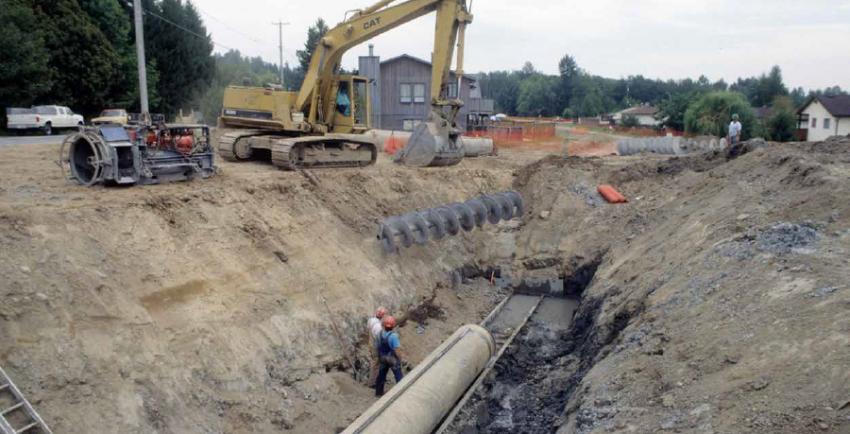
(374, 328)
(389, 350)
(735, 129)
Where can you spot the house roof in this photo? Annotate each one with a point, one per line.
(422, 61)
(838, 106)
(641, 110)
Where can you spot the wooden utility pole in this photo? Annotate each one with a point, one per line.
(140, 58)
(280, 25)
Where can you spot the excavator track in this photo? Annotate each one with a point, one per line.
(322, 152)
(229, 147)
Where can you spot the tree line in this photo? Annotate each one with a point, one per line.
(574, 92)
(81, 53)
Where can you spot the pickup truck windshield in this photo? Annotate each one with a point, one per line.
(112, 113)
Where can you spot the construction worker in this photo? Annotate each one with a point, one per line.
(374, 328)
(389, 352)
(735, 130)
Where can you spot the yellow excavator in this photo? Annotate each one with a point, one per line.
(322, 125)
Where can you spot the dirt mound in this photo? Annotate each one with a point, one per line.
(715, 301)
(719, 305)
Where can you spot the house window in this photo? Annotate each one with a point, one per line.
(826, 123)
(410, 124)
(406, 94)
(814, 122)
(452, 90)
(419, 93)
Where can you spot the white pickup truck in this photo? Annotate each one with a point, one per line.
(44, 117)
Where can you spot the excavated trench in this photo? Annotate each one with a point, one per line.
(528, 388)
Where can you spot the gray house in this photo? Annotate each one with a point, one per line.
(401, 89)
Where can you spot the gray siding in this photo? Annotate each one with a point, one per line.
(408, 70)
(370, 67)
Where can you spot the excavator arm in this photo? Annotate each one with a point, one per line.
(317, 94)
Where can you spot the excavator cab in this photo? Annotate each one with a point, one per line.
(352, 109)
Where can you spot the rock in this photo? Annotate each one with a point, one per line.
(823, 425)
(742, 217)
(823, 292)
(25, 269)
(41, 296)
(544, 215)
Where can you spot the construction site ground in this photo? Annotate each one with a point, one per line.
(715, 301)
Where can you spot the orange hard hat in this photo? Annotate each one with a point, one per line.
(380, 312)
(388, 322)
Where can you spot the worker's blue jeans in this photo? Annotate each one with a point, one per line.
(382, 376)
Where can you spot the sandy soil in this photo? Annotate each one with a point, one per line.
(720, 302)
(201, 307)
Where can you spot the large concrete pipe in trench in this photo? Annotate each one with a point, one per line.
(426, 395)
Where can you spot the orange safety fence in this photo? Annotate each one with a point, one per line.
(516, 132)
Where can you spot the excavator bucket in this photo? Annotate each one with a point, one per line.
(431, 145)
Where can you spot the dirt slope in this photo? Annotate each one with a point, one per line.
(199, 307)
(720, 303)
(717, 300)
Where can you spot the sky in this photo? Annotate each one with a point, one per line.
(809, 40)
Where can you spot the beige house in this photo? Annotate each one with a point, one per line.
(825, 116)
(645, 115)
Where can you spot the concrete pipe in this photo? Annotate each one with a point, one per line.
(425, 396)
(472, 146)
(477, 146)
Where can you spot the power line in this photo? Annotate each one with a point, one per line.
(147, 12)
(228, 27)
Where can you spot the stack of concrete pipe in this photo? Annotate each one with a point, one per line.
(419, 226)
(669, 145)
(472, 146)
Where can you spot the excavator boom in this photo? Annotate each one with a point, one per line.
(328, 103)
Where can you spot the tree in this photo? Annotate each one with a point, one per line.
(24, 72)
(83, 61)
(568, 70)
(671, 111)
(761, 91)
(527, 70)
(630, 121)
(115, 24)
(504, 88)
(782, 122)
(314, 34)
(538, 96)
(711, 113)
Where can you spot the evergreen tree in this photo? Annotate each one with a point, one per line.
(782, 123)
(568, 71)
(24, 60)
(314, 35)
(178, 44)
(82, 59)
(538, 96)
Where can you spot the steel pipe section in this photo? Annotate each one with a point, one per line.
(427, 394)
(436, 223)
(669, 145)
